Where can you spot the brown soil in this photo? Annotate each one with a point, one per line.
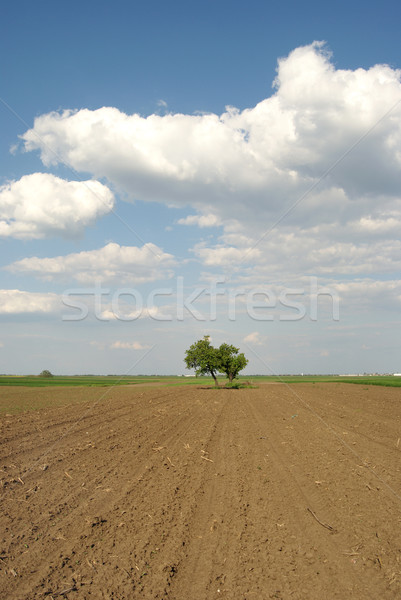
(189, 494)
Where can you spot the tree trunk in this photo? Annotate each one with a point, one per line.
(214, 377)
(230, 377)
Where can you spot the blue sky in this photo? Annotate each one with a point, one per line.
(156, 151)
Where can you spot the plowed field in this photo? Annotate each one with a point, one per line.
(195, 494)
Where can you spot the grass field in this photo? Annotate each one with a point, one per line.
(113, 380)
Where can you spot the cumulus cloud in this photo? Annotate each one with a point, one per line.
(209, 220)
(125, 312)
(255, 338)
(318, 162)
(288, 252)
(128, 346)
(20, 302)
(113, 263)
(222, 256)
(367, 293)
(41, 205)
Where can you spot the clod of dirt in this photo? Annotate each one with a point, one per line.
(98, 521)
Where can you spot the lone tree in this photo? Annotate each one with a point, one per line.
(206, 359)
(230, 362)
(46, 373)
(202, 357)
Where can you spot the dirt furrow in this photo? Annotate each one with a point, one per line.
(334, 491)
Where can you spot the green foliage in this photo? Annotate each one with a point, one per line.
(206, 359)
(202, 357)
(230, 362)
(46, 373)
(240, 385)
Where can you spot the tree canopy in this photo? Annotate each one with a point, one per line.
(202, 357)
(207, 360)
(45, 373)
(230, 361)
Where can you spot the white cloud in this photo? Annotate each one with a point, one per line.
(221, 256)
(315, 115)
(361, 294)
(255, 338)
(208, 220)
(114, 263)
(41, 205)
(128, 346)
(327, 142)
(285, 253)
(124, 312)
(20, 302)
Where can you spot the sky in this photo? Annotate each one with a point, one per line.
(175, 170)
